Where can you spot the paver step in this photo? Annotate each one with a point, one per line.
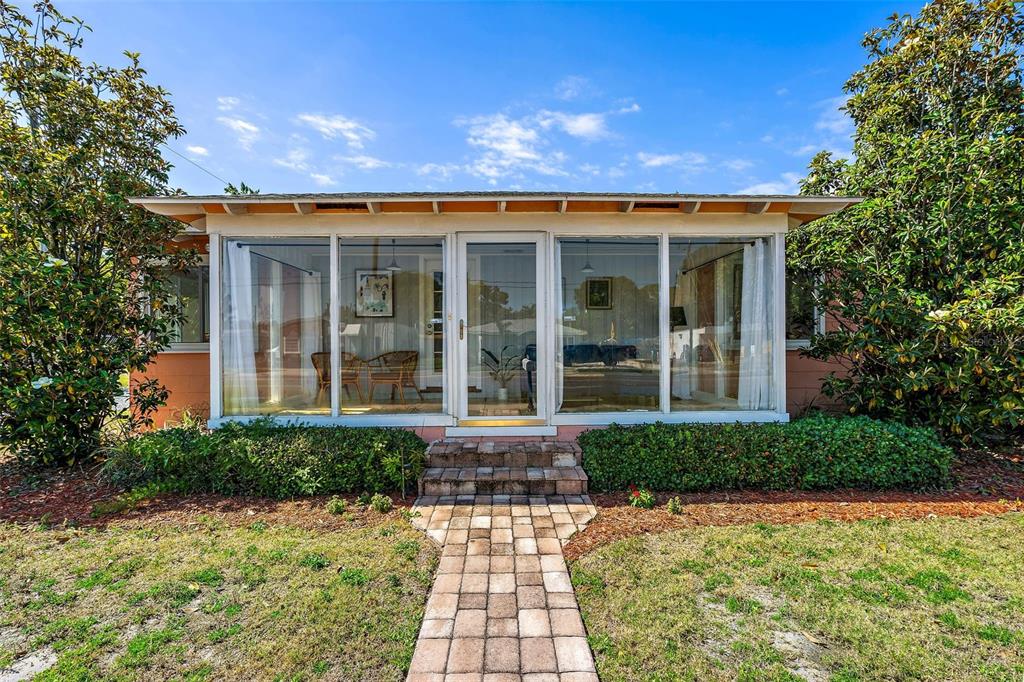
(503, 480)
(458, 453)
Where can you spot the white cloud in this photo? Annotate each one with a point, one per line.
(364, 162)
(509, 147)
(295, 159)
(782, 92)
(585, 126)
(692, 160)
(590, 169)
(789, 183)
(767, 139)
(616, 172)
(737, 165)
(833, 120)
(196, 150)
(629, 109)
(246, 132)
(806, 149)
(571, 87)
(322, 180)
(439, 171)
(227, 103)
(333, 127)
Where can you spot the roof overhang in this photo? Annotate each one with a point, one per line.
(193, 210)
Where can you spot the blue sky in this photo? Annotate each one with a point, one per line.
(691, 97)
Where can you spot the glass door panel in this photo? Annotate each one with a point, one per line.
(499, 329)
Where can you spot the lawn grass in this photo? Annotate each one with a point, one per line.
(932, 599)
(212, 601)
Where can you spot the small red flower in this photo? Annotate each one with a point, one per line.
(633, 490)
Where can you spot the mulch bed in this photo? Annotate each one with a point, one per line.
(68, 497)
(987, 483)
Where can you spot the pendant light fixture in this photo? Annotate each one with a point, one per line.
(588, 268)
(393, 266)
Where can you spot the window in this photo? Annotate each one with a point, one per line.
(608, 328)
(802, 319)
(191, 290)
(720, 322)
(275, 347)
(391, 326)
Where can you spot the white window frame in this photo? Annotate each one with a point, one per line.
(448, 228)
(197, 346)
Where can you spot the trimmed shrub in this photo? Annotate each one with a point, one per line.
(265, 460)
(813, 453)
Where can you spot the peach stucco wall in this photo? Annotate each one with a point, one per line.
(187, 377)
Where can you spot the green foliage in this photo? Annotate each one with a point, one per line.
(674, 506)
(925, 278)
(381, 504)
(82, 269)
(262, 459)
(642, 498)
(336, 505)
(814, 453)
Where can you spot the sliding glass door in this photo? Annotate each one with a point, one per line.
(500, 330)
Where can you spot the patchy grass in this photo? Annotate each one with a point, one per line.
(930, 599)
(208, 600)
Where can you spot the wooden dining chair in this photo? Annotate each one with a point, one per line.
(322, 365)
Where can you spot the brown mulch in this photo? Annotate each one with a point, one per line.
(987, 483)
(69, 496)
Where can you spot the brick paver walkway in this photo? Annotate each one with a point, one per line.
(502, 606)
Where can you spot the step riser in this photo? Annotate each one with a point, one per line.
(507, 487)
(508, 459)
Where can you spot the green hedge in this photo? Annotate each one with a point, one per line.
(265, 460)
(816, 452)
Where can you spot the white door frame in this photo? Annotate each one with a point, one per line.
(461, 339)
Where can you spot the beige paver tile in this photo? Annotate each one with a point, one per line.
(502, 564)
(537, 655)
(466, 655)
(502, 583)
(534, 623)
(502, 655)
(440, 606)
(470, 623)
(475, 582)
(502, 627)
(557, 582)
(435, 628)
(566, 623)
(502, 606)
(430, 656)
(573, 655)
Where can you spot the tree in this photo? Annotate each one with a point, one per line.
(85, 297)
(926, 276)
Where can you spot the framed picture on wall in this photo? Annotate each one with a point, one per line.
(375, 293)
(599, 293)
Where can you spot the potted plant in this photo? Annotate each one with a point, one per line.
(502, 367)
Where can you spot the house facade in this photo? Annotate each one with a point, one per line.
(491, 313)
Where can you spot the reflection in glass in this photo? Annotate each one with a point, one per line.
(501, 329)
(720, 321)
(608, 331)
(190, 289)
(275, 326)
(391, 301)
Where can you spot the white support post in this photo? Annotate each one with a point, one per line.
(335, 322)
(664, 350)
(779, 323)
(216, 405)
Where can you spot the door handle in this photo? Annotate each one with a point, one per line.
(462, 329)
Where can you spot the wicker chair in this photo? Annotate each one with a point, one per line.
(351, 372)
(396, 369)
(352, 367)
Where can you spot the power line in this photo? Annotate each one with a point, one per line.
(208, 172)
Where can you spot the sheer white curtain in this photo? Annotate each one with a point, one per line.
(684, 296)
(237, 349)
(312, 327)
(755, 344)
